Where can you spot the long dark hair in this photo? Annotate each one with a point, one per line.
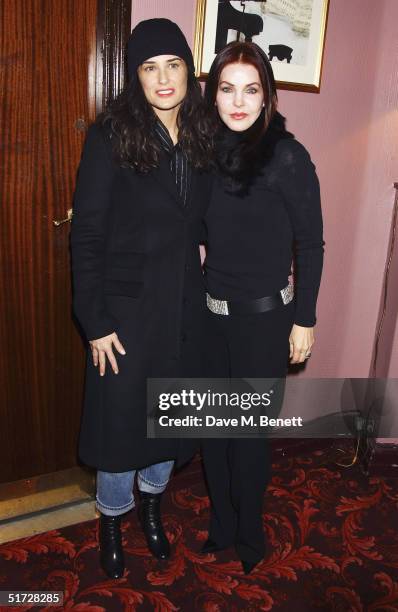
(239, 156)
(131, 119)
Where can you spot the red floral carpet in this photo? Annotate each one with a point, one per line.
(332, 545)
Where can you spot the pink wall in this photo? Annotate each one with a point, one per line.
(180, 11)
(350, 130)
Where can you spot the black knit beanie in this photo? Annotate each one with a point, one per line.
(156, 37)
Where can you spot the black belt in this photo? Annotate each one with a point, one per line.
(257, 305)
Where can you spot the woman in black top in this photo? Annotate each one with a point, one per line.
(140, 197)
(264, 210)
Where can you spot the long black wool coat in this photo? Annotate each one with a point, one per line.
(136, 270)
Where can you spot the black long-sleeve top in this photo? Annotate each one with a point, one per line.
(252, 239)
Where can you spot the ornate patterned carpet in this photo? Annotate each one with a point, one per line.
(332, 545)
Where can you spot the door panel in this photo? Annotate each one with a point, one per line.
(48, 62)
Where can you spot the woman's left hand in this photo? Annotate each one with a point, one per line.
(301, 340)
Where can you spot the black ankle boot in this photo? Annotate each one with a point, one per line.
(210, 546)
(149, 516)
(111, 549)
(248, 566)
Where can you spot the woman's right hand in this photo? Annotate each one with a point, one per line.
(102, 348)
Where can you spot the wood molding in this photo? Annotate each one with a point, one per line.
(113, 30)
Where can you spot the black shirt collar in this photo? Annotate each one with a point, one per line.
(164, 136)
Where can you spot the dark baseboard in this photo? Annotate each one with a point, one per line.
(289, 447)
(374, 459)
(384, 462)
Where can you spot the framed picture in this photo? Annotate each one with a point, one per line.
(291, 32)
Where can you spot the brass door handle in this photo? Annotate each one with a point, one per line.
(69, 212)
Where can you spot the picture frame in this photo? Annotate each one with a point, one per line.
(291, 32)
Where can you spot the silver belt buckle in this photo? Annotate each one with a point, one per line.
(287, 293)
(217, 306)
(221, 306)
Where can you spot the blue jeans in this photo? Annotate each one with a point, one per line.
(115, 489)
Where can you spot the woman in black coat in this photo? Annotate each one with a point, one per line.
(141, 192)
(264, 209)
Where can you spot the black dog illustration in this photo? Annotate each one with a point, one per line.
(231, 19)
(282, 52)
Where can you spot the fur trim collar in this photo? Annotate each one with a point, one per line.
(239, 161)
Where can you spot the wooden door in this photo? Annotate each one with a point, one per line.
(57, 65)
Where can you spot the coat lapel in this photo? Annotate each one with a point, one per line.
(164, 177)
(162, 174)
(191, 191)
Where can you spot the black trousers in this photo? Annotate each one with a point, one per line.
(238, 470)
